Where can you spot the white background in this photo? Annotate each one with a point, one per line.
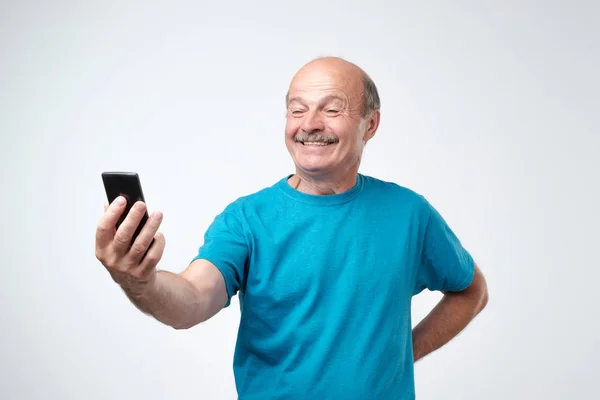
(489, 109)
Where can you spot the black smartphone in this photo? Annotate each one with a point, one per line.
(128, 185)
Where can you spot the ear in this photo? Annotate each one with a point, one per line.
(372, 125)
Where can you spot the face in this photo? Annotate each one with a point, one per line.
(325, 132)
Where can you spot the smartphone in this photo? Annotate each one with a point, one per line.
(128, 185)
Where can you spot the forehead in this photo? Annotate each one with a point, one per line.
(314, 83)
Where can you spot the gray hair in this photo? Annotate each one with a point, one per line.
(371, 101)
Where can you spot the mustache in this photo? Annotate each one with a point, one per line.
(315, 137)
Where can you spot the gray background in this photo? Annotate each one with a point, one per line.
(490, 109)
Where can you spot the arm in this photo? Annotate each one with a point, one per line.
(450, 316)
(181, 300)
(178, 300)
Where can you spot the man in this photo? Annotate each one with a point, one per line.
(325, 261)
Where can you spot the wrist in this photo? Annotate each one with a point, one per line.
(133, 286)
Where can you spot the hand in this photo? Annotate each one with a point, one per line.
(133, 266)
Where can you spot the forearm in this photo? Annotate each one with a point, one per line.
(171, 299)
(447, 319)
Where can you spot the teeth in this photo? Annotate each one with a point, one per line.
(315, 144)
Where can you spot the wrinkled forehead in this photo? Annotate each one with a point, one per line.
(313, 84)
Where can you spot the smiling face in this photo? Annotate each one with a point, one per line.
(325, 130)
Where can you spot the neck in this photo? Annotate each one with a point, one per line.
(323, 184)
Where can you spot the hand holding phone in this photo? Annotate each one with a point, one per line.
(127, 185)
(127, 242)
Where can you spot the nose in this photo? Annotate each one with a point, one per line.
(313, 121)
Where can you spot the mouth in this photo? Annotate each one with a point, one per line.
(315, 140)
(318, 144)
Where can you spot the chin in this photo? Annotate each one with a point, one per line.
(314, 160)
(314, 168)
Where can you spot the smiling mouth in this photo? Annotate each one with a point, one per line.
(316, 143)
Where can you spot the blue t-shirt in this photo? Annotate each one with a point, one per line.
(325, 286)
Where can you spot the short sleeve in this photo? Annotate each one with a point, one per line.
(226, 247)
(445, 265)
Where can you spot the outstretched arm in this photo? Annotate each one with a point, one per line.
(449, 317)
(178, 300)
(181, 300)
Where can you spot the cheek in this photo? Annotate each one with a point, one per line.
(291, 127)
(344, 130)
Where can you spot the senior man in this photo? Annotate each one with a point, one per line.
(325, 261)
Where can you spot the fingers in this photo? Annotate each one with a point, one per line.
(105, 230)
(130, 264)
(153, 256)
(123, 236)
(144, 239)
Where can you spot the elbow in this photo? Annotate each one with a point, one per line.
(480, 287)
(193, 319)
(484, 299)
(179, 327)
(476, 293)
(185, 325)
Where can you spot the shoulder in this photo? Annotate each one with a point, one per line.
(258, 199)
(382, 189)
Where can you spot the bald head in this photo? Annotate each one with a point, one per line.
(332, 112)
(344, 73)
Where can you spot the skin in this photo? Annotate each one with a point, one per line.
(325, 98)
(325, 104)
(178, 300)
(449, 317)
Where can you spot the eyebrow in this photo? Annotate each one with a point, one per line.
(326, 99)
